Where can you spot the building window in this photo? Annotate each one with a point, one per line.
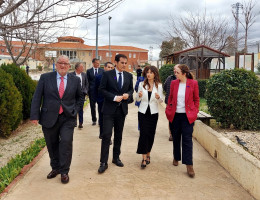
(2, 50)
(107, 54)
(83, 53)
(100, 58)
(15, 50)
(134, 55)
(129, 66)
(130, 55)
(89, 54)
(70, 54)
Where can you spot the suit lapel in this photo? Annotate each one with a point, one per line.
(124, 80)
(68, 85)
(115, 79)
(187, 92)
(54, 83)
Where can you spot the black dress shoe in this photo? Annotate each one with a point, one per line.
(53, 174)
(94, 123)
(80, 126)
(102, 168)
(118, 162)
(65, 178)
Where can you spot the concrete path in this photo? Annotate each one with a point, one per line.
(160, 179)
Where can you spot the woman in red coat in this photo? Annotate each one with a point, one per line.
(181, 111)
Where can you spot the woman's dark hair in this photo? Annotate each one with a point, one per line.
(145, 70)
(185, 69)
(157, 80)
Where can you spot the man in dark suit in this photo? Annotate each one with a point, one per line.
(91, 75)
(55, 104)
(100, 98)
(117, 87)
(84, 86)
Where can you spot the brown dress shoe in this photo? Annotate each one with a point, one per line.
(52, 174)
(190, 171)
(175, 162)
(65, 178)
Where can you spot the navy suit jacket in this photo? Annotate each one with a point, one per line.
(46, 100)
(109, 88)
(91, 80)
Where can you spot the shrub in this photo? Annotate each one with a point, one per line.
(233, 97)
(39, 67)
(10, 104)
(165, 71)
(202, 87)
(25, 85)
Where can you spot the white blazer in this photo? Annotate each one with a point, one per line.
(153, 103)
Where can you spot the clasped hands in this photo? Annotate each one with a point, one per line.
(157, 96)
(123, 97)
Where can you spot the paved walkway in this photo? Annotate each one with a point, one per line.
(160, 179)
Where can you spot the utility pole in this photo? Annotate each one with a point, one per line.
(109, 18)
(237, 6)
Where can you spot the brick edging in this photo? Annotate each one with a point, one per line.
(24, 170)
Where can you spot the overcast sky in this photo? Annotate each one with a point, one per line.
(140, 23)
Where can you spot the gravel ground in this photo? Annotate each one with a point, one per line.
(251, 139)
(18, 141)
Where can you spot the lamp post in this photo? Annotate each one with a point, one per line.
(109, 18)
(97, 32)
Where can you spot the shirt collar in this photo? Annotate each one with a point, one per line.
(118, 71)
(58, 76)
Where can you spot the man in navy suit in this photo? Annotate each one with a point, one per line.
(55, 104)
(100, 98)
(84, 86)
(117, 87)
(91, 75)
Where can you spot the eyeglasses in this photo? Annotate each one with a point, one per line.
(60, 63)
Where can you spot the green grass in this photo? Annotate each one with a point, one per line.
(13, 168)
(203, 105)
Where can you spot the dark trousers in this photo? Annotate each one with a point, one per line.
(182, 131)
(81, 116)
(93, 102)
(117, 121)
(59, 140)
(100, 118)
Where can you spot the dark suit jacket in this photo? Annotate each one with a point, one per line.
(91, 80)
(46, 100)
(85, 84)
(109, 88)
(99, 96)
(192, 100)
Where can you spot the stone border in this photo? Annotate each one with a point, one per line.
(24, 170)
(244, 167)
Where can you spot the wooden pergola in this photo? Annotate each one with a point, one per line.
(198, 59)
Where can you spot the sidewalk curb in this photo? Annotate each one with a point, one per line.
(24, 170)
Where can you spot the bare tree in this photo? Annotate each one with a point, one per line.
(249, 17)
(200, 29)
(35, 21)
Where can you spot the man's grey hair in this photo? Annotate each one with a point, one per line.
(63, 56)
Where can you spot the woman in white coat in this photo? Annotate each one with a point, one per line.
(150, 93)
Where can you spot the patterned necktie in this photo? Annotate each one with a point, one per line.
(95, 72)
(61, 92)
(119, 81)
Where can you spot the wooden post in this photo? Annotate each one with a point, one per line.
(197, 66)
(202, 64)
(224, 63)
(252, 62)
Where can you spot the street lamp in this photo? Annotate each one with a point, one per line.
(109, 18)
(97, 33)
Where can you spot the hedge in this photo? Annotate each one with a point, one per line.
(233, 98)
(165, 71)
(25, 85)
(202, 87)
(10, 104)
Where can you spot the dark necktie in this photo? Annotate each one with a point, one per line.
(95, 72)
(119, 81)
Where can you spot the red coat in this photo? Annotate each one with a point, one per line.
(192, 100)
